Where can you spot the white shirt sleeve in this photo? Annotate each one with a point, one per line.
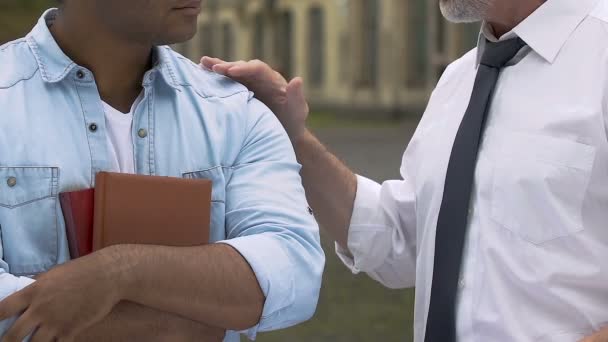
(382, 233)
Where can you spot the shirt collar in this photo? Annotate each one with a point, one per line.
(546, 30)
(55, 65)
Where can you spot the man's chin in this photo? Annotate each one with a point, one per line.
(456, 11)
(176, 37)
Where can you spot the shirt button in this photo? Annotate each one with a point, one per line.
(461, 283)
(142, 133)
(80, 74)
(93, 127)
(11, 181)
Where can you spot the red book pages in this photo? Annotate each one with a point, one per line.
(78, 211)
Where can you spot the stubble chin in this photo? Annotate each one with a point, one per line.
(465, 11)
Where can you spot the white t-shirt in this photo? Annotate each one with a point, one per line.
(120, 138)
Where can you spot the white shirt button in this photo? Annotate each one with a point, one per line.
(461, 283)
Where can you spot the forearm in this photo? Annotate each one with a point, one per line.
(330, 186)
(130, 322)
(211, 284)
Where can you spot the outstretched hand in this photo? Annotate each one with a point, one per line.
(285, 99)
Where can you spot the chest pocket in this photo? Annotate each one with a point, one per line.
(539, 186)
(28, 218)
(217, 176)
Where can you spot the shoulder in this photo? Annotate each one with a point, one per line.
(464, 66)
(204, 82)
(460, 67)
(17, 63)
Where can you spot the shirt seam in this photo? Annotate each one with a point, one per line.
(84, 117)
(212, 96)
(23, 79)
(14, 42)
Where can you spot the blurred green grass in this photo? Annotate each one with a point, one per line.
(323, 119)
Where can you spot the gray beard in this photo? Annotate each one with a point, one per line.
(465, 11)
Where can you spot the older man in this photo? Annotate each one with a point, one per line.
(500, 219)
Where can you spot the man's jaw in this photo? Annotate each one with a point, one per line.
(465, 11)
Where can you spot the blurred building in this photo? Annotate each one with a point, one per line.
(356, 56)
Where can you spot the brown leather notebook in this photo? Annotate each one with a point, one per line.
(151, 210)
(78, 209)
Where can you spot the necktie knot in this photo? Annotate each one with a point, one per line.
(497, 55)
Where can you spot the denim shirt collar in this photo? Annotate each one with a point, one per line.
(55, 65)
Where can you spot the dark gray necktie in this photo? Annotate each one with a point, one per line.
(453, 215)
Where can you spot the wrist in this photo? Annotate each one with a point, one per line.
(121, 265)
(303, 137)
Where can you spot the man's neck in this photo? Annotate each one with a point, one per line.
(506, 15)
(118, 64)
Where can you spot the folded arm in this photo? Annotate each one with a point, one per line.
(266, 276)
(128, 319)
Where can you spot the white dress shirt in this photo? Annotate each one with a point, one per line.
(535, 264)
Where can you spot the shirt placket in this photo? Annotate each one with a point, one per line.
(94, 119)
(143, 129)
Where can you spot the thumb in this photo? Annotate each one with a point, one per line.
(296, 100)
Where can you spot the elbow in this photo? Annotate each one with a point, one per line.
(305, 292)
(252, 312)
(308, 289)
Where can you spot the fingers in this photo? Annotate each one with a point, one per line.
(252, 69)
(209, 62)
(295, 96)
(20, 329)
(14, 304)
(43, 334)
(238, 69)
(224, 68)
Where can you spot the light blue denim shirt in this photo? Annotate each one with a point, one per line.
(196, 124)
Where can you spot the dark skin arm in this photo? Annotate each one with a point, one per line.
(213, 285)
(221, 291)
(129, 322)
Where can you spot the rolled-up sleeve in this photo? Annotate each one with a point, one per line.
(269, 223)
(382, 233)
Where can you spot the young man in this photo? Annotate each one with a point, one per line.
(500, 218)
(92, 89)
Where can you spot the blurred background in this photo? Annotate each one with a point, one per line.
(369, 67)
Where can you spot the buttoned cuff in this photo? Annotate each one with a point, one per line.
(368, 239)
(273, 270)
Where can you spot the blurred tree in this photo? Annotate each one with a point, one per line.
(17, 17)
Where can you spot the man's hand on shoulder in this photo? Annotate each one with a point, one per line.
(285, 99)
